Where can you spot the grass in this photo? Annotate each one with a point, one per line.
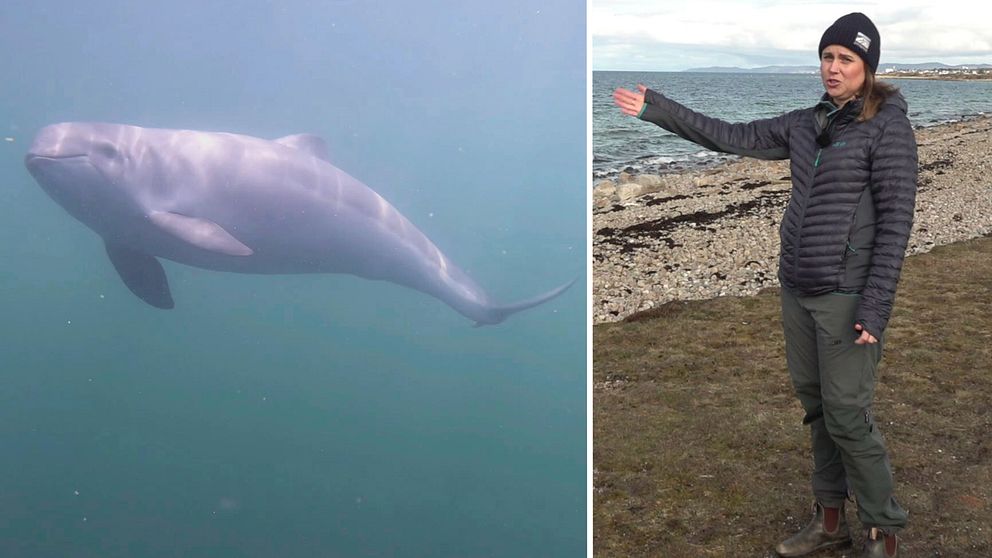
(699, 448)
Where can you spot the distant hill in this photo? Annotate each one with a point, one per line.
(814, 69)
(760, 70)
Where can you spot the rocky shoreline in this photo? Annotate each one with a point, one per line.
(714, 232)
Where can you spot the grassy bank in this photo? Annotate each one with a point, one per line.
(699, 448)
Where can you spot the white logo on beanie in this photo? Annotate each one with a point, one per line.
(862, 41)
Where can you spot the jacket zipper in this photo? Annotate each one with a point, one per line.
(809, 194)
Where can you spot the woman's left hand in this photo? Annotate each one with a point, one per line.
(630, 103)
(866, 338)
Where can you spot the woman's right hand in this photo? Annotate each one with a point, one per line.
(631, 103)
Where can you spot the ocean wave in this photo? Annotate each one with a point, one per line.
(657, 164)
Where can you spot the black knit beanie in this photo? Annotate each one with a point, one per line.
(856, 32)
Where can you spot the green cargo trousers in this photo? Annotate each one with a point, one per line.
(834, 379)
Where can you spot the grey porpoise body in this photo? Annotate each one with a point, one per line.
(236, 203)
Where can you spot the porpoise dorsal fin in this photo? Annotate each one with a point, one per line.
(202, 233)
(143, 275)
(314, 145)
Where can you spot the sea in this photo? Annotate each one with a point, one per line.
(622, 143)
(306, 415)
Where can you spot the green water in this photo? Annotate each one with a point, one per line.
(302, 415)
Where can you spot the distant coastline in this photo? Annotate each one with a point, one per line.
(950, 75)
(928, 70)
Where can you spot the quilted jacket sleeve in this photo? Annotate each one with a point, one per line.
(763, 139)
(893, 189)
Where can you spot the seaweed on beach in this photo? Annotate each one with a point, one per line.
(631, 238)
(937, 165)
(650, 201)
(662, 201)
(753, 185)
(617, 237)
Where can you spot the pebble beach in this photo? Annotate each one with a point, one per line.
(713, 232)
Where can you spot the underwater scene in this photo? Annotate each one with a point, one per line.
(297, 279)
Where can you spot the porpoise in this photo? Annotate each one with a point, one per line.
(236, 203)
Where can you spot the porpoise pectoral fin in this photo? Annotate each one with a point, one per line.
(314, 145)
(201, 233)
(143, 274)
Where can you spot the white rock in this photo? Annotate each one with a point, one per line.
(604, 188)
(648, 180)
(629, 191)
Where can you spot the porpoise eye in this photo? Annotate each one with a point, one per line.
(107, 150)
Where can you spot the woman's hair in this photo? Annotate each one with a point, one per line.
(874, 92)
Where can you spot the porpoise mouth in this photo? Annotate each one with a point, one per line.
(34, 156)
(34, 159)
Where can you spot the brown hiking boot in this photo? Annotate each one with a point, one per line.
(879, 544)
(827, 529)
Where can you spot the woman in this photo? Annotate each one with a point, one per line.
(844, 234)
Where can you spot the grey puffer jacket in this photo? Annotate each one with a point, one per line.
(851, 210)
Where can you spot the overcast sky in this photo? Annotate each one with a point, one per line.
(666, 35)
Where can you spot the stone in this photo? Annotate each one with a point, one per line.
(604, 189)
(648, 180)
(629, 191)
(705, 180)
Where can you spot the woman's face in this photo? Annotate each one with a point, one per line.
(842, 72)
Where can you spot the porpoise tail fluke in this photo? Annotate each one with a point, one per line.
(496, 314)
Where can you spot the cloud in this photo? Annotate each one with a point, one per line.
(626, 33)
(645, 54)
